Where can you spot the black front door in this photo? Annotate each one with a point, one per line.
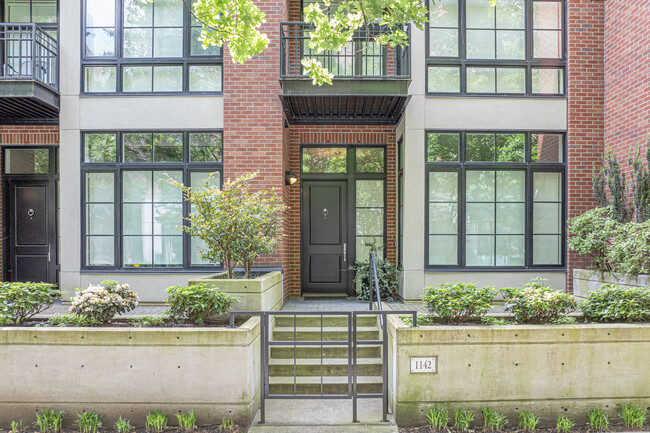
(30, 209)
(324, 237)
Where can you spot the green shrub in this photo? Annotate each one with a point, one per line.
(438, 417)
(463, 419)
(564, 425)
(387, 277)
(592, 232)
(147, 321)
(123, 425)
(598, 420)
(100, 303)
(538, 304)
(227, 425)
(528, 421)
(494, 321)
(89, 422)
(493, 420)
(186, 421)
(16, 426)
(629, 249)
(21, 301)
(632, 416)
(458, 303)
(614, 303)
(196, 303)
(640, 176)
(71, 320)
(423, 320)
(566, 320)
(49, 421)
(156, 422)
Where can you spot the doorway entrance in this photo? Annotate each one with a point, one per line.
(29, 215)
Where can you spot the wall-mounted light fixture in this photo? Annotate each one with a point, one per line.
(290, 178)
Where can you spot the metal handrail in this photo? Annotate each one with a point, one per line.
(374, 281)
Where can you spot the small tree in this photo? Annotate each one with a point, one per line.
(237, 224)
(617, 188)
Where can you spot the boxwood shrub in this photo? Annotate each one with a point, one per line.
(458, 303)
(614, 303)
(195, 303)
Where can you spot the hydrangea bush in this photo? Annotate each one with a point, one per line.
(103, 301)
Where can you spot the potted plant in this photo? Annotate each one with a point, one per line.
(237, 225)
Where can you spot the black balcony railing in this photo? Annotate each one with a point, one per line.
(363, 58)
(28, 54)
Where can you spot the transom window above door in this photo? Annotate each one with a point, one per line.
(342, 160)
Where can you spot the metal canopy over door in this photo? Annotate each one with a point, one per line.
(325, 238)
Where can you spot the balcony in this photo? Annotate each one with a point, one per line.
(28, 75)
(370, 84)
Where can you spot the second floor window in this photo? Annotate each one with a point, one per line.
(515, 47)
(131, 46)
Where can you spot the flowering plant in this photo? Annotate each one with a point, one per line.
(103, 301)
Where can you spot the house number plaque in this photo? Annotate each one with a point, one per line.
(424, 365)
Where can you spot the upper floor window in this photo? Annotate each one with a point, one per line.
(515, 47)
(42, 12)
(133, 46)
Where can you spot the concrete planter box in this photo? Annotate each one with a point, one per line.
(263, 293)
(130, 372)
(550, 370)
(585, 280)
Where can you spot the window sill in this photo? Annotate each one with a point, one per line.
(492, 270)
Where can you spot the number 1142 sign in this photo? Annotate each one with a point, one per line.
(424, 365)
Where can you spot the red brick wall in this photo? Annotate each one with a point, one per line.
(302, 134)
(586, 108)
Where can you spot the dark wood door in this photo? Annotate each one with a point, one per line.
(31, 231)
(324, 237)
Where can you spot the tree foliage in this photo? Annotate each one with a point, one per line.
(641, 184)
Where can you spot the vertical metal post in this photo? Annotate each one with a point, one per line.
(371, 288)
(384, 383)
(263, 349)
(350, 353)
(354, 367)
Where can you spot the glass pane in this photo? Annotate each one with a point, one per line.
(324, 160)
(443, 250)
(100, 13)
(510, 251)
(167, 218)
(546, 218)
(163, 190)
(443, 13)
(546, 250)
(168, 79)
(364, 246)
(137, 147)
(510, 14)
(168, 251)
(168, 13)
(137, 13)
(168, 147)
(481, 80)
(100, 79)
(206, 78)
(168, 42)
(480, 44)
(137, 251)
(100, 42)
(511, 80)
(17, 11)
(100, 187)
(370, 160)
(550, 81)
(100, 219)
(480, 185)
(443, 79)
(443, 42)
(206, 147)
(196, 259)
(136, 186)
(479, 251)
(27, 161)
(510, 218)
(44, 11)
(479, 147)
(370, 222)
(196, 47)
(370, 193)
(547, 186)
(480, 14)
(137, 218)
(547, 44)
(547, 15)
(510, 147)
(100, 251)
(546, 148)
(480, 218)
(136, 78)
(99, 147)
(511, 44)
(511, 185)
(443, 218)
(442, 147)
(443, 186)
(137, 42)
(199, 178)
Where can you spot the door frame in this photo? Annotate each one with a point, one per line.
(51, 178)
(350, 176)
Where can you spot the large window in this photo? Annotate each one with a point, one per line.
(515, 47)
(134, 46)
(132, 213)
(495, 199)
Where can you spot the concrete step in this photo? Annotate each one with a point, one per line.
(330, 367)
(285, 352)
(330, 333)
(351, 428)
(331, 385)
(328, 321)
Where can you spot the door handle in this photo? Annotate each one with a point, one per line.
(345, 251)
(49, 252)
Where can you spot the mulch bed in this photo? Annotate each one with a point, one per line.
(577, 429)
(200, 429)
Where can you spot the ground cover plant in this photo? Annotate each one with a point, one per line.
(536, 303)
(564, 424)
(196, 303)
(493, 420)
(614, 303)
(103, 301)
(16, 426)
(156, 422)
(631, 415)
(458, 303)
(227, 425)
(463, 419)
(122, 425)
(21, 301)
(438, 417)
(71, 320)
(598, 419)
(528, 421)
(186, 421)
(89, 422)
(50, 421)
(147, 320)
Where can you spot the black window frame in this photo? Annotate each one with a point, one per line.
(529, 167)
(529, 63)
(118, 62)
(117, 168)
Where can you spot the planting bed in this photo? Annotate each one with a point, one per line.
(199, 429)
(582, 429)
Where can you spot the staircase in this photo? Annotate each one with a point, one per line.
(314, 370)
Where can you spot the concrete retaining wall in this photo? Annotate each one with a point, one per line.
(585, 281)
(258, 294)
(130, 372)
(549, 370)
